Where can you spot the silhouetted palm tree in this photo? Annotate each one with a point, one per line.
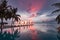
(57, 18)
(3, 7)
(14, 16)
(56, 11)
(7, 12)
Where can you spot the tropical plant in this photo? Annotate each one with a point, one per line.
(7, 12)
(57, 18)
(3, 7)
(14, 16)
(56, 11)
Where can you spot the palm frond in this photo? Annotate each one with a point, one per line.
(58, 19)
(58, 10)
(56, 5)
(18, 15)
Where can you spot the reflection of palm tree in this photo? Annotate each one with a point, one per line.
(9, 36)
(57, 18)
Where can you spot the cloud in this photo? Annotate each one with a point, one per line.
(24, 15)
(46, 16)
(30, 5)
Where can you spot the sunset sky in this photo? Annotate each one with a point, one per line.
(40, 13)
(39, 10)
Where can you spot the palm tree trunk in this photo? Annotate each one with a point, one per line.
(1, 25)
(12, 27)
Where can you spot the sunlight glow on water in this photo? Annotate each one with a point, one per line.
(35, 30)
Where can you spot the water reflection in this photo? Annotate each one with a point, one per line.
(36, 32)
(33, 32)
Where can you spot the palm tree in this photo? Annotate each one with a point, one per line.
(7, 12)
(57, 18)
(58, 10)
(14, 16)
(3, 7)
